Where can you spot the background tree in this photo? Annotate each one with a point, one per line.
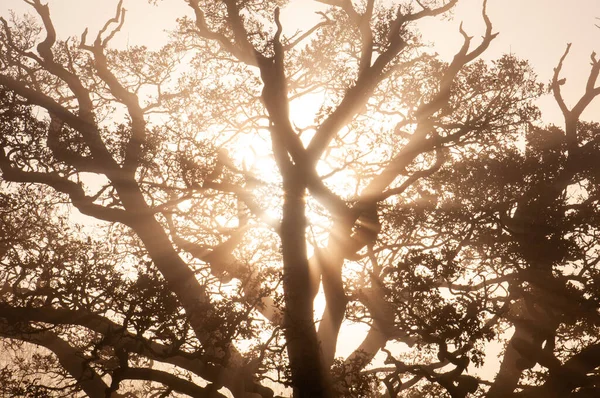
(421, 198)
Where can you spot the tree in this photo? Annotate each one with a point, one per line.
(425, 199)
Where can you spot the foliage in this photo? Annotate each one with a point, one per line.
(168, 217)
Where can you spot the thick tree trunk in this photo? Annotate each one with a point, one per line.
(531, 330)
(512, 366)
(336, 300)
(309, 376)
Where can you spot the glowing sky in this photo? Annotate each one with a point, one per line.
(537, 30)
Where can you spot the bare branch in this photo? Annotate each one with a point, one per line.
(119, 18)
(556, 83)
(572, 116)
(308, 33)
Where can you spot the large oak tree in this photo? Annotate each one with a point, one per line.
(168, 217)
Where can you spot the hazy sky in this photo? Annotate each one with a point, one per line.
(537, 30)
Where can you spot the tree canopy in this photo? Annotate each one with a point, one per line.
(170, 219)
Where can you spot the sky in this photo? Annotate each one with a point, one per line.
(536, 30)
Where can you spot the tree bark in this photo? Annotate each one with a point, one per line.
(531, 330)
(309, 376)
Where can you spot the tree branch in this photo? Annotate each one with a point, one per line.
(68, 357)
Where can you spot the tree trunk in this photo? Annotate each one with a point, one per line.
(309, 376)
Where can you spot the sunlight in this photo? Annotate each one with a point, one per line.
(185, 206)
(319, 305)
(184, 259)
(303, 111)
